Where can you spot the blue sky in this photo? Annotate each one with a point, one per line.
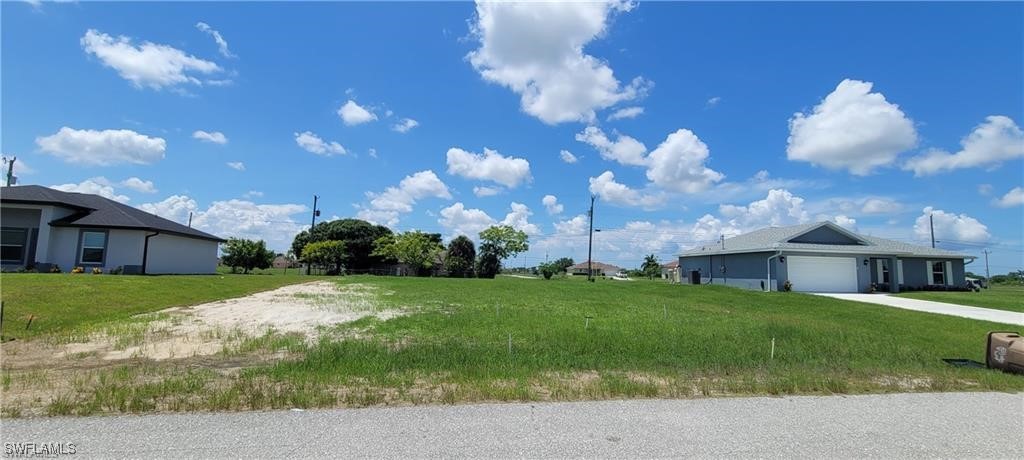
(687, 120)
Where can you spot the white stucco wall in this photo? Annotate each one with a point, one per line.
(124, 248)
(181, 255)
(63, 243)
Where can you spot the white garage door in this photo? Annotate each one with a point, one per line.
(822, 274)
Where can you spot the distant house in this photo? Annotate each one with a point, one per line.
(284, 262)
(821, 257)
(43, 227)
(670, 271)
(600, 269)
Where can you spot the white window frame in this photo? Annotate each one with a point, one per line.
(23, 246)
(899, 271)
(83, 247)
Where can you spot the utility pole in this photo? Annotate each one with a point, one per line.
(316, 212)
(10, 171)
(931, 226)
(590, 244)
(987, 276)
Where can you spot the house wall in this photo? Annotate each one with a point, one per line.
(746, 270)
(63, 247)
(917, 273)
(181, 255)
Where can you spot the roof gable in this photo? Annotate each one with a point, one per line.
(827, 233)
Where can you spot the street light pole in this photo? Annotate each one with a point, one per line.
(316, 212)
(590, 244)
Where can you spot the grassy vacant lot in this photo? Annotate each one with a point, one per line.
(510, 339)
(62, 301)
(998, 296)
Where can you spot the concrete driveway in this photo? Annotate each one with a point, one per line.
(942, 308)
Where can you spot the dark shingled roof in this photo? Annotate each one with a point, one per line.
(97, 211)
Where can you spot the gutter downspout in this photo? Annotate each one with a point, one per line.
(145, 251)
(768, 262)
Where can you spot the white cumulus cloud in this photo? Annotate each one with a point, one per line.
(386, 207)
(148, 64)
(608, 190)
(405, 125)
(993, 142)
(312, 143)
(353, 114)
(462, 221)
(567, 156)
(486, 191)
(236, 165)
(215, 137)
(277, 224)
(625, 150)
(491, 165)
(95, 186)
(852, 129)
(551, 203)
(139, 185)
(103, 148)
(678, 164)
(536, 50)
(779, 208)
(950, 227)
(1013, 198)
(627, 112)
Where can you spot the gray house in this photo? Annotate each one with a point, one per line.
(43, 227)
(820, 257)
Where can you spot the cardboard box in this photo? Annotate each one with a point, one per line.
(1005, 351)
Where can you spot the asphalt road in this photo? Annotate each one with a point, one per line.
(989, 425)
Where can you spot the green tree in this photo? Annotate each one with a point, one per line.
(330, 254)
(419, 250)
(504, 241)
(563, 263)
(246, 254)
(358, 235)
(461, 257)
(488, 265)
(651, 267)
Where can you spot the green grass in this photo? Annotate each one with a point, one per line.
(644, 339)
(998, 296)
(66, 301)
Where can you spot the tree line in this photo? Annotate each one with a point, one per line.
(357, 246)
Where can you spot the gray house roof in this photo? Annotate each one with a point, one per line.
(778, 239)
(97, 211)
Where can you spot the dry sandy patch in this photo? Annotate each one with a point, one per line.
(209, 328)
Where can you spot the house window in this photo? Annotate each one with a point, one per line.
(938, 273)
(94, 246)
(883, 271)
(12, 245)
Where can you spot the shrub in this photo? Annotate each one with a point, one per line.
(330, 254)
(548, 270)
(787, 286)
(97, 271)
(116, 270)
(55, 268)
(247, 254)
